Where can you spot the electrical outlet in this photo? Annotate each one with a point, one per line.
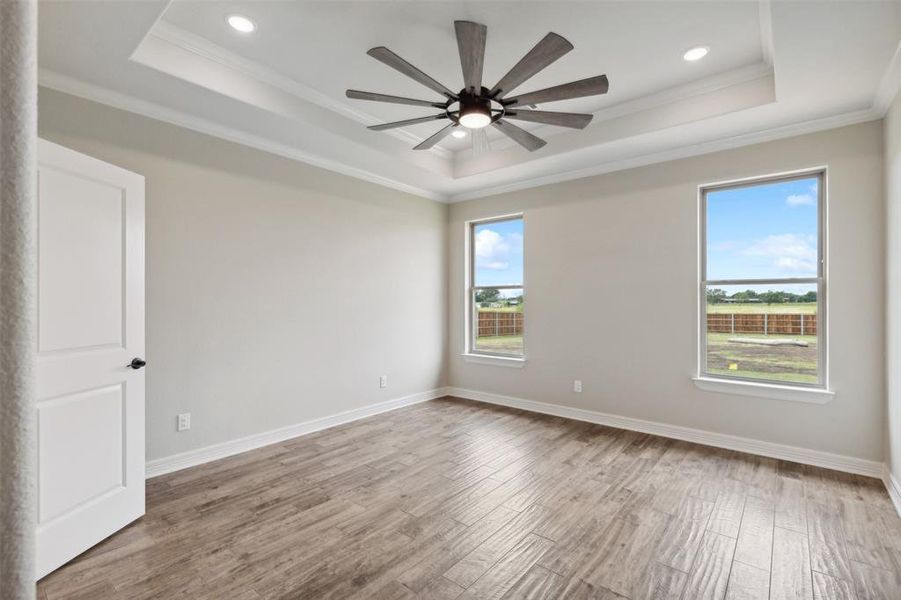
(184, 421)
(577, 386)
(383, 381)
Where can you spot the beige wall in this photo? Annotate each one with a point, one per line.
(619, 251)
(893, 286)
(276, 292)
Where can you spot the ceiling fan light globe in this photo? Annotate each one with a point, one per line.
(475, 120)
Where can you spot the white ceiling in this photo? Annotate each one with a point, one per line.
(774, 69)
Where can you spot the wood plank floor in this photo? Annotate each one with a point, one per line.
(454, 499)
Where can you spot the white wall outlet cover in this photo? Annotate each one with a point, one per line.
(383, 381)
(184, 421)
(577, 385)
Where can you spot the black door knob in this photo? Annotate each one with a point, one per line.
(136, 363)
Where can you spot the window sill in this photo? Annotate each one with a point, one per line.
(498, 361)
(765, 390)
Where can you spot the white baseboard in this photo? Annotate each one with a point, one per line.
(191, 458)
(893, 487)
(815, 458)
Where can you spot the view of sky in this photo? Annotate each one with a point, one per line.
(766, 231)
(763, 232)
(498, 253)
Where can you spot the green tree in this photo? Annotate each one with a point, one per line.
(773, 297)
(808, 297)
(487, 296)
(744, 296)
(716, 296)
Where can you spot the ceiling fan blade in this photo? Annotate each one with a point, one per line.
(519, 135)
(358, 95)
(592, 86)
(396, 124)
(550, 48)
(396, 62)
(471, 44)
(434, 138)
(561, 119)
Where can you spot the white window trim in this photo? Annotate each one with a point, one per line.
(469, 354)
(514, 362)
(819, 393)
(810, 395)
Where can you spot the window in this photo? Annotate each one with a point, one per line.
(495, 287)
(763, 281)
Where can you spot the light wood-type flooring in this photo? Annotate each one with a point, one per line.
(455, 499)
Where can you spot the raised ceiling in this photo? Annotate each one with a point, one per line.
(774, 69)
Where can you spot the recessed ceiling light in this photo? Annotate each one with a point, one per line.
(696, 53)
(242, 24)
(458, 133)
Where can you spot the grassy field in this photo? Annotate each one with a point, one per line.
(776, 363)
(511, 344)
(503, 309)
(779, 363)
(794, 308)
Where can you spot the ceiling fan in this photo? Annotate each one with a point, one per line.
(476, 106)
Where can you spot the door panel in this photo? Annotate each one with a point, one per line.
(90, 407)
(81, 262)
(92, 422)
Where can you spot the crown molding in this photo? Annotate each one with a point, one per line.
(68, 85)
(693, 89)
(74, 87)
(716, 145)
(186, 41)
(202, 47)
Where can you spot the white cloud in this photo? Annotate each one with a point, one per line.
(801, 200)
(490, 243)
(496, 265)
(493, 249)
(788, 252)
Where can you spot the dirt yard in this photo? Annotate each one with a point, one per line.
(782, 363)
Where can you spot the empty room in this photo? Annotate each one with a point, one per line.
(399, 300)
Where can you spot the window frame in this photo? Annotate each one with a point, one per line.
(820, 280)
(471, 289)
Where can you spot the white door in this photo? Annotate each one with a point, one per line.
(90, 406)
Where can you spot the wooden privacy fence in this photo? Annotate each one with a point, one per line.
(495, 323)
(762, 323)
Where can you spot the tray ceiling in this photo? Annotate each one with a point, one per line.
(773, 69)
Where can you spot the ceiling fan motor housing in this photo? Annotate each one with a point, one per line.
(475, 110)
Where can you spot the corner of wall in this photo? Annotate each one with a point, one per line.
(892, 208)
